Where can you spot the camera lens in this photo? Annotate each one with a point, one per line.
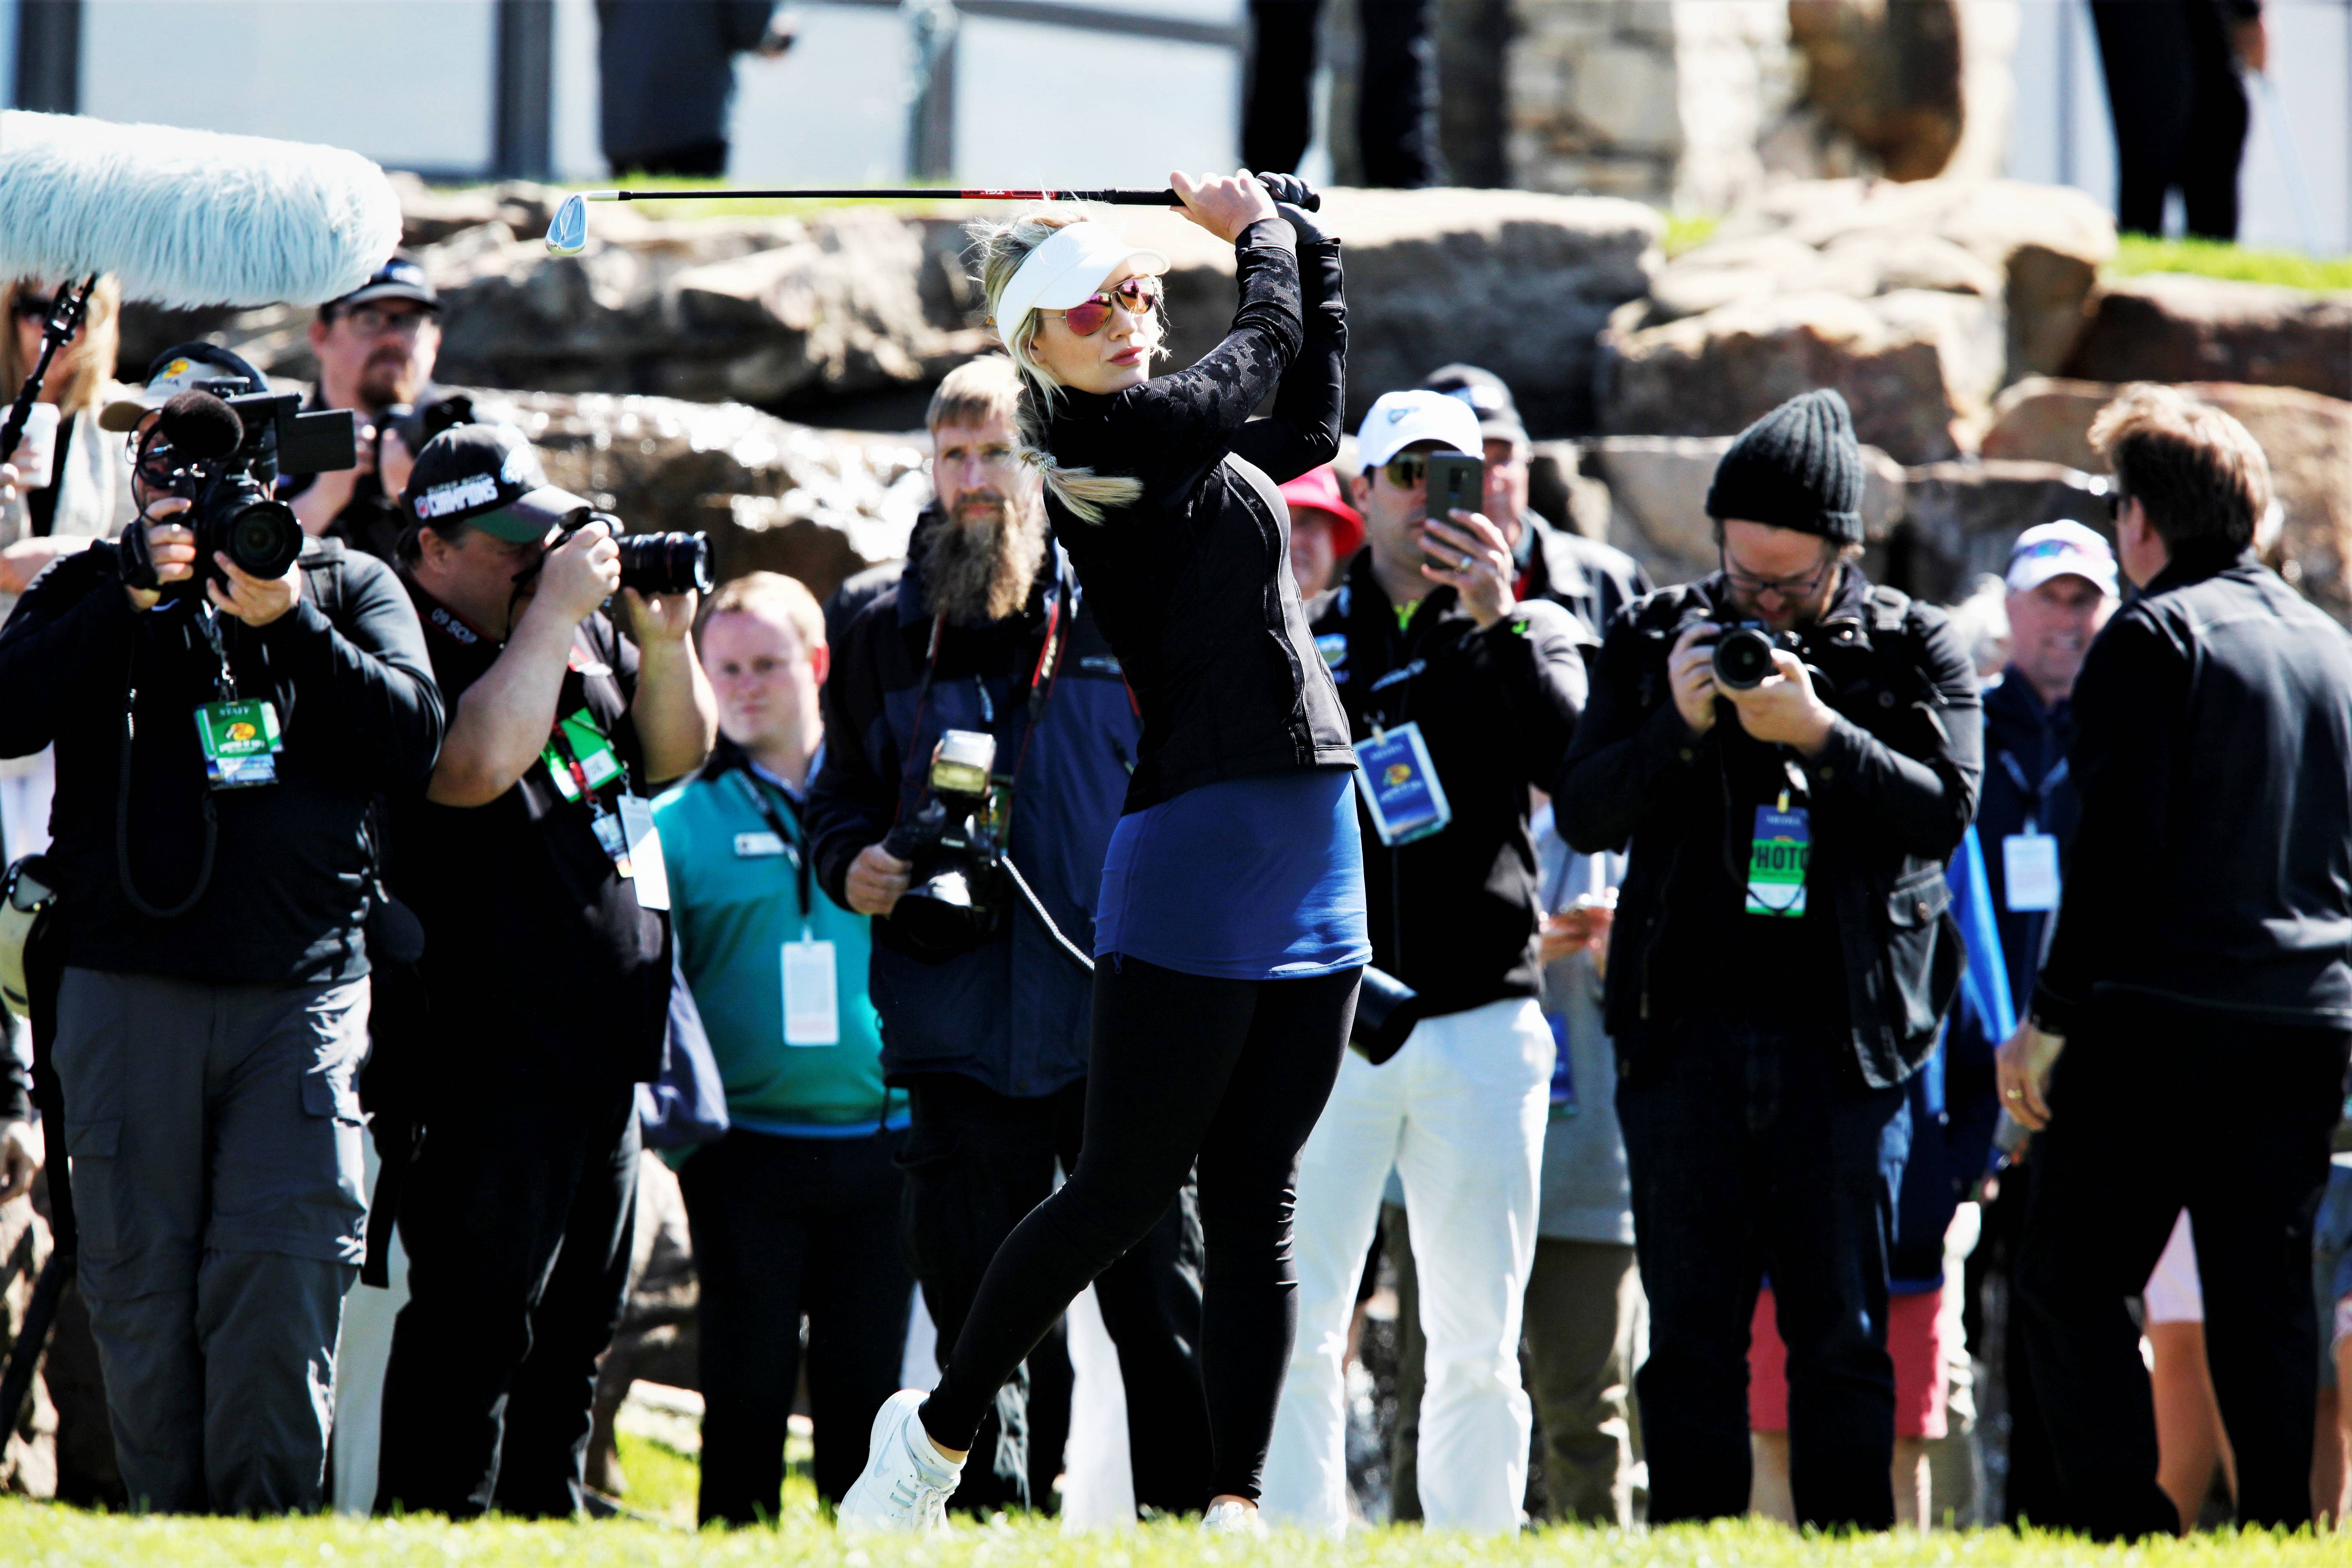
(263, 538)
(665, 562)
(1743, 658)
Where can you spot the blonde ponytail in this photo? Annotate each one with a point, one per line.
(1004, 245)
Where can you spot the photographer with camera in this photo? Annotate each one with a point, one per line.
(531, 861)
(376, 347)
(1462, 700)
(226, 700)
(2196, 981)
(1793, 755)
(987, 635)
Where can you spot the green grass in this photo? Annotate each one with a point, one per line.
(2137, 253)
(40, 1536)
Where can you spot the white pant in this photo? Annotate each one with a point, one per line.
(1460, 1113)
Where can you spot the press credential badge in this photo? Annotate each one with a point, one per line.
(2029, 868)
(1400, 786)
(1777, 859)
(812, 1001)
(241, 742)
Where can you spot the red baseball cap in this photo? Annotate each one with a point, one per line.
(1318, 488)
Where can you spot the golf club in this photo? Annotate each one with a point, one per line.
(567, 233)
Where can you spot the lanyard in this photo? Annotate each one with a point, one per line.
(1041, 677)
(2039, 794)
(596, 807)
(796, 844)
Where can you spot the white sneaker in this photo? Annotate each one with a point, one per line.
(1232, 1517)
(905, 1486)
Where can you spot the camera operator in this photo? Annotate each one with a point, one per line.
(375, 347)
(529, 860)
(2196, 980)
(1590, 580)
(1792, 754)
(214, 884)
(987, 631)
(1440, 669)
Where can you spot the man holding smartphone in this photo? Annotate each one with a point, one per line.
(1461, 700)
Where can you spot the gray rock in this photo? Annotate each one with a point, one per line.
(2172, 327)
(1962, 518)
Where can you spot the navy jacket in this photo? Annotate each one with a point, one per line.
(1014, 1014)
(2025, 775)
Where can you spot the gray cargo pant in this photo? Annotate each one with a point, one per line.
(215, 1132)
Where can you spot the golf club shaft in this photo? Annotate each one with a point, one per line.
(1112, 198)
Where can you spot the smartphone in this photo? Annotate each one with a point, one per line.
(1457, 482)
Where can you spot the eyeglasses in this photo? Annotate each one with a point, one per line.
(370, 321)
(1136, 296)
(2115, 499)
(33, 307)
(1755, 588)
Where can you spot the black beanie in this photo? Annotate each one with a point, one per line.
(1799, 467)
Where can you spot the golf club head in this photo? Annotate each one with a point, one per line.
(567, 232)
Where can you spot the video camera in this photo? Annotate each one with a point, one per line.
(955, 900)
(225, 455)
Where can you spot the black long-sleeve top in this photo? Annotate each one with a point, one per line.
(2213, 752)
(290, 878)
(1191, 584)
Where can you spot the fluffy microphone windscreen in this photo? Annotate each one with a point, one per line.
(189, 218)
(200, 427)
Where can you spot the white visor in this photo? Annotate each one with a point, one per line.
(1065, 271)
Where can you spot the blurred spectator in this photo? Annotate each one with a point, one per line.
(795, 1211)
(529, 859)
(2207, 896)
(376, 347)
(2190, 1441)
(986, 630)
(2179, 106)
(1590, 580)
(1396, 96)
(2331, 1278)
(1584, 1295)
(1325, 530)
(1444, 674)
(667, 72)
(88, 497)
(1769, 1001)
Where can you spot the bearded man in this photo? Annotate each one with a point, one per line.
(986, 630)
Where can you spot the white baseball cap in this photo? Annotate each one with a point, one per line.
(1066, 270)
(2059, 550)
(1400, 418)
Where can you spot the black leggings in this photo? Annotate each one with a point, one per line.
(1231, 1073)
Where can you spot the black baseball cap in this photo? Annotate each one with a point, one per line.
(401, 278)
(486, 477)
(183, 367)
(1488, 396)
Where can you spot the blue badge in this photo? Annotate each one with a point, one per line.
(1333, 646)
(1400, 786)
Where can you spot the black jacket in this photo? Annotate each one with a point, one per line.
(1890, 796)
(295, 861)
(1193, 583)
(2213, 754)
(1454, 915)
(1590, 580)
(1014, 1014)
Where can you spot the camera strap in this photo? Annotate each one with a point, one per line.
(1061, 615)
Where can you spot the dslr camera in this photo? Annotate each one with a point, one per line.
(955, 896)
(225, 455)
(653, 562)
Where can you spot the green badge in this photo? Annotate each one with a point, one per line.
(1775, 862)
(240, 742)
(582, 739)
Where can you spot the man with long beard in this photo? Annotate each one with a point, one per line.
(987, 631)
